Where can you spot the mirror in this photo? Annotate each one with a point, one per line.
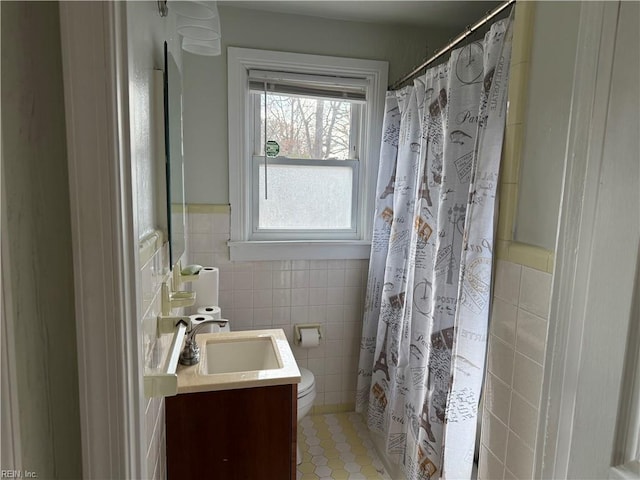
(176, 210)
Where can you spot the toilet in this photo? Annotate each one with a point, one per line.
(306, 396)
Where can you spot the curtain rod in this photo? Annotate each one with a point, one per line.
(470, 30)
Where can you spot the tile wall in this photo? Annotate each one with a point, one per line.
(152, 274)
(515, 365)
(280, 294)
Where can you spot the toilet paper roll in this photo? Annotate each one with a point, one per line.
(212, 310)
(309, 337)
(198, 318)
(206, 287)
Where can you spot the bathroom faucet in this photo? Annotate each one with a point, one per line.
(191, 353)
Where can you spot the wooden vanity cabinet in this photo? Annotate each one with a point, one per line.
(242, 434)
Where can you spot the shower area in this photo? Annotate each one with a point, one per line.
(428, 294)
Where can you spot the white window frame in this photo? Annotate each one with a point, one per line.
(241, 154)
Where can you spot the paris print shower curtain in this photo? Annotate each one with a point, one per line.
(427, 305)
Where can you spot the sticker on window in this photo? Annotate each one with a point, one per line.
(272, 148)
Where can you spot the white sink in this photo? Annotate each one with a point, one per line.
(242, 359)
(240, 355)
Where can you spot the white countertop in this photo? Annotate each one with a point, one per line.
(192, 379)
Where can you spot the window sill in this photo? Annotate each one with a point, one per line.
(299, 250)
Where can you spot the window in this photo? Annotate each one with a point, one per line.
(318, 119)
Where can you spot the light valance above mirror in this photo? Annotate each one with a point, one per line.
(198, 23)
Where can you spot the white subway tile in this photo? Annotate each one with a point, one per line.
(494, 435)
(302, 361)
(222, 261)
(148, 288)
(349, 382)
(300, 265)
(225, 300)
(317, 366)
(334, 331)
(332, 398)
(353, 296)
(503, 321)
(201, 243)
(352, 330)
(242, 266)
(242, 319)
(281, 279)
(333, 383)
(242, 280)
(299, 314)
(281, 315)
(335, 313)
(225, 280)
(350, 364)
(318, 296)
(523, 420)
(262, 266)
(489, 467)
(317, 264)
(531, 336)
(299, 296)
(204, 259)
(220, 243)
(242, 299)
(335, 264)
(262, 279)
(221, 222)
(335, 278)
(519, 458)
(201, 223)
(317, 313)
(507, 281)
(300, 278)
(527, 379)
(263, 298)
(318, 352)
(509, 475)
(332, 365)
(353, 277)
(262, 317)
(299, 352)
(497, 398)
(281, 297)
(335, 296)
(500, 359)
(535, 292)
(282, 265)
(288, 331)
(317, 278)
(334, 348)
(353, 313)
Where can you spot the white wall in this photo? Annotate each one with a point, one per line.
(205, 78)
(146, 33)
(547, 119)
(520, 310)
(257, 295)
(515, 366)
(38, 239)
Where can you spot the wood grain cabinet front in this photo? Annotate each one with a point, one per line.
(239, 434)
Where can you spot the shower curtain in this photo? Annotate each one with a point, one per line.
(425, 323)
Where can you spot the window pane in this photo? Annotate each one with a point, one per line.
(307, 127)
(305, 197)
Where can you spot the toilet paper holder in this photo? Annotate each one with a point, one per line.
(297, 334)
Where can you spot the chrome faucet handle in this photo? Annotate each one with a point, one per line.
(191, 353)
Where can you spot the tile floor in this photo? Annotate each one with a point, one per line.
(337, 446)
